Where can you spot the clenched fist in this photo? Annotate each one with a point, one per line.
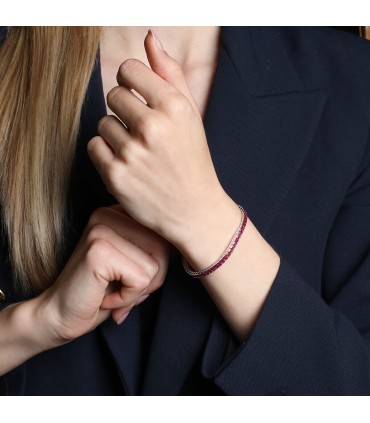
(115, 266)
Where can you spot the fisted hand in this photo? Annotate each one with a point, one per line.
(158, 164)
(115, 266)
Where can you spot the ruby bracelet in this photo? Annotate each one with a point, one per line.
(224, 256)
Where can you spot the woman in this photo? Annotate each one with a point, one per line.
(275, 121)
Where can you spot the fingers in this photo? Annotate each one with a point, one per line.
(114, 134)
(124, 299)
(135, 74)
(134, 280)
(153, 248)
(143, 265)
(103, 315)
(166, 66)
(142, 299)
(116, 218)
(120, 314)
(125, 104)
(155, 85)
(163, 87)
(100, 153)
(130, 272)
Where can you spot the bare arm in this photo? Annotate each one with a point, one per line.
(159, 168)
(173, 188)
(240, 286)
(23, 334)
(82, 297)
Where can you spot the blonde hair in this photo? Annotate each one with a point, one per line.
(44, 74)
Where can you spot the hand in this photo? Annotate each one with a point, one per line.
(115, 266)
(159, 167)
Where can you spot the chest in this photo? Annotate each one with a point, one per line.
(283, 157)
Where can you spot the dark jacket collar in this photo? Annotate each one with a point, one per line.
(260, 60)
(260, 122)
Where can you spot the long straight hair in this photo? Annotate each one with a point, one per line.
(44, 74)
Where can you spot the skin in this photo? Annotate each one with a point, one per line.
(115, 266)
(195, 48)
(123, 254)
(158, 166)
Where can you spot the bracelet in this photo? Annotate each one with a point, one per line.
(225, 255)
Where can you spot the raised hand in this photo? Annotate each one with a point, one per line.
(155, 159)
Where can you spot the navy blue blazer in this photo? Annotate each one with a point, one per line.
(287, 124)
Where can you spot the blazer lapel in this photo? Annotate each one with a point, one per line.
(183, 321)
(124, 342)
(89, 193)
(260, 123)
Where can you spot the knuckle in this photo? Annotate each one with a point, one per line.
(122, 295)
(102, 122)
(175, 68)
(126, 67)
(153, 267)
(155, 285)
(98, 250)
(179, 104)
(143, 280)
(165, 97)
(112, 176)
(97, 216)
(97, 232)
(147, 124)
(93, 143)
(112, 93)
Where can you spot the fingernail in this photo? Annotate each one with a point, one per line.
(156, 39)
(122, 318)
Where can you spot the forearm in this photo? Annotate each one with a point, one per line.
(240, 286)
(22, 334)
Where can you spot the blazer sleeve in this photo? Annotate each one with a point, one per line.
(306, 342)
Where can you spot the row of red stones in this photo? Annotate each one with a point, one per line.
(222, 260)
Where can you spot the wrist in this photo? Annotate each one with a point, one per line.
(26, 335)
(47, 317)
(42, 327)
(211, 233)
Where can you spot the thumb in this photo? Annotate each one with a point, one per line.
(166, 66)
